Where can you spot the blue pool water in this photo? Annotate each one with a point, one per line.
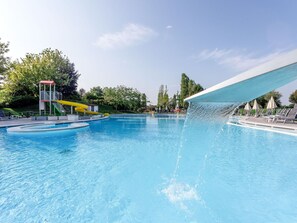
(145, 169)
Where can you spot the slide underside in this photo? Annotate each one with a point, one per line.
(78, 107)
(252, 83)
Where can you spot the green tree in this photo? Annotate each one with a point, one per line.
(24, 75)
(172, 102)
(163, 97)
(143, 101)
(95, 95)
(160, 96)
(293, 97)
(184, 87)
(188, 87)
(122, 98)
(263, 100)
(165, 101)
(110, 97)
(4, 60)
(276, 96)
(191, 86)
(81, 92)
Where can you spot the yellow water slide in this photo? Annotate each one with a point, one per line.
(78, 107)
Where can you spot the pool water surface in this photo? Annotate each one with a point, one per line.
(146, 169)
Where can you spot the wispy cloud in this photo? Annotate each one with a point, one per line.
(131, 34)
(238, 60)
(169, 27)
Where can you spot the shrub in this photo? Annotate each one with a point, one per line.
(21, 101)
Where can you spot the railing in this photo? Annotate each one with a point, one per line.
(45, 96)
(59, 107)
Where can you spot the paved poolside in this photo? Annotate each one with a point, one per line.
(15, 122)
(264, 122)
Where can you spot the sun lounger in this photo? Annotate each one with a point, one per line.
(290, 115)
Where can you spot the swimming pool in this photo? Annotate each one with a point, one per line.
(145, 169)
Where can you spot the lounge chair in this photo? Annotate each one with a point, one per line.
(290, 115)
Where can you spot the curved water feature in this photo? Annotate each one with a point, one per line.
(46, 128)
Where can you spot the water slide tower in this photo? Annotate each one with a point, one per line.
(48, 97)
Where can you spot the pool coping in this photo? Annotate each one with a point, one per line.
(30, 122)
(32, 128)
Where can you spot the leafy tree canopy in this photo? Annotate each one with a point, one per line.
(188, 87)
(184, 86)
(95, 95)
(163, 97)
(123, 98)
(263, 100)
(143, 101)
(293, 97)
(81, 92)
(4, 60)
(24, 75)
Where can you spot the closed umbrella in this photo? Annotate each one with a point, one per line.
(247, 107)
(271, 104)
(177, 105)
(256, 106)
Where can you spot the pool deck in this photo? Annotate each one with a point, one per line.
(263, 123)
(28, 121)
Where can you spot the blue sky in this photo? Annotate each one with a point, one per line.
(144, 44)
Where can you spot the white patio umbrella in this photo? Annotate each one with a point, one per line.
(256, 106)
(247, 107)
(271, 104)
(177, 105)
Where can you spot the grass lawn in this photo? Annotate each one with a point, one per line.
(27, 110)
